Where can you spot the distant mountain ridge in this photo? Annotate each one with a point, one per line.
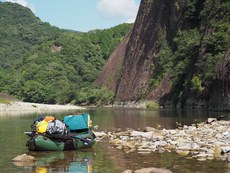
(171, 56)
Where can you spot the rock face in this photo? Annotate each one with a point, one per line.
(220, 97)
(135, 71)
(128, 70)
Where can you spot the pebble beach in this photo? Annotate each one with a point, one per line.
(15, 106)
(204, 141)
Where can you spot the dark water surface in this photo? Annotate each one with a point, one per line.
(101, 158)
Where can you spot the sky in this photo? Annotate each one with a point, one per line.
(83, 15)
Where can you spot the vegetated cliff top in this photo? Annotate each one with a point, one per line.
(172, 54)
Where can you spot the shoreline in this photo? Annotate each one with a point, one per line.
(35, 107)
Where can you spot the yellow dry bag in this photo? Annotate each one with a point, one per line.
(42, 126)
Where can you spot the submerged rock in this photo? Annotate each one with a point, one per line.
(24, 160)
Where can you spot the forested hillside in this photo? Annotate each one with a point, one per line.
(177, 54)
(44, 64)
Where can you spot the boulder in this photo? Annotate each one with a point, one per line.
(147, 135)
(149, 129)
(24, 158)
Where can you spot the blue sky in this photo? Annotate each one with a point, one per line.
(83, 15)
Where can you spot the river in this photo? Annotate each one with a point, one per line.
(102, 158)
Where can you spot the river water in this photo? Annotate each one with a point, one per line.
(102, 158)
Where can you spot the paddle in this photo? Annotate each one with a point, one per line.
(30, 134)
(85, 141)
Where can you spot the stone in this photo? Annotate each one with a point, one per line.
(152, 170)
(217, 152)
(147, 135)
(225, 149)
(115, 142)
(201, 158)
(143, 152)
(210, 120)
(170, 147)
(228, 157)
(157, 136)
(128, 171)
(100, 134)
(149, 129)
(24, 158)
(201, 141)
(183, 152)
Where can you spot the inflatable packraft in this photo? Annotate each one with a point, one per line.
(50, 133)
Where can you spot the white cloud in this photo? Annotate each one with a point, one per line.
(21, 2)
(24, 3)
(118, 8)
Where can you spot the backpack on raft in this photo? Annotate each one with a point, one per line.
(50, 126)
(80, 122)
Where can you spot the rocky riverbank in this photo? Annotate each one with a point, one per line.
(204, 141)
(15, 106)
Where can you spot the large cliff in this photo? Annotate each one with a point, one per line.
(177, 54)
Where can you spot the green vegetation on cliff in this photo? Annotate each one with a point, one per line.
(44, 64)
(192, 56)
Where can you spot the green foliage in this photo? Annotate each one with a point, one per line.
(42, 63)
(108, 39)
(4, 101)
(196, 84)
(190, 9)
(151, 105)
(94, 95)
(188, 43)
(216, 17)
(192, 56)
(164, 63)
(210, 66)
(34, 91)
(178, 62)
(218, 40)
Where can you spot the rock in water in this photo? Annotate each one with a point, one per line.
(24, 158)
(152, 170)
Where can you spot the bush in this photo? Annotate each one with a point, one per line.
(196, 84)
(152, 105)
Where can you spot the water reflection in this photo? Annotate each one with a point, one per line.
(55, 162)
(110, 118)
